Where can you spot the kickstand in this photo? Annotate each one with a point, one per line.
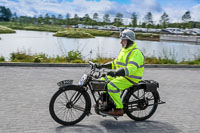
(115, 118)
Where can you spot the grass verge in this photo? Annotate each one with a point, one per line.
(76, 57)
(4, 29)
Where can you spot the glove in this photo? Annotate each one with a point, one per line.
(112, 73)
(119, 72)
(99, 66)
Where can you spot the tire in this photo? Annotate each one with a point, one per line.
(140, 108)
(61, 99)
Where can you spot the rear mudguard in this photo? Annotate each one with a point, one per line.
(131, 90)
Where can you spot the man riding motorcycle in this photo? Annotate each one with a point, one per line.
(128, 66)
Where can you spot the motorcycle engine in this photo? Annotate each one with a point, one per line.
(105, 103)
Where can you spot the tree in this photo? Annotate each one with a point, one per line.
(95, 16)
(106, 18)
(60, 16)
(46, 18)
(164, 20)
(5, 14)
(186, 17)
(76, 16)
(148, 18)
(53, 19)
(118, 19)
(67, 16)
(86, 19)
(40, 19)
(14, 17)
(134, 19)
(87, 16)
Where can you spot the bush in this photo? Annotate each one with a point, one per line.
(74, 55)
(37, 60)
(21, 56)
(2, 59)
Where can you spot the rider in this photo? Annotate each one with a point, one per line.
(128, 66)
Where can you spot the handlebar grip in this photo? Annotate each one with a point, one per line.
(93, 64)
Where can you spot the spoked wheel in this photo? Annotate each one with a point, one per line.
(141, 105)
(69, 105)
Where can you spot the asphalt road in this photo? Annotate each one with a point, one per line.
(25, 93)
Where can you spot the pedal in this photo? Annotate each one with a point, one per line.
(106, 114)
(161, 102)
(115, 118)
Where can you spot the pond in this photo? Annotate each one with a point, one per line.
(44, 42)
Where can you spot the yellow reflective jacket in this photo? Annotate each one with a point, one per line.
(132, 60)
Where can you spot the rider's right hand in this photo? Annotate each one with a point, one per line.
(99, 66)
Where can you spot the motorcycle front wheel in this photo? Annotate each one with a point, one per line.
(69, 105)
(141, 105)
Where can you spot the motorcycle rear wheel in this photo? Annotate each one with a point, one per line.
(144, 104)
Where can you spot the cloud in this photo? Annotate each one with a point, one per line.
(195, 12)
(82, 7)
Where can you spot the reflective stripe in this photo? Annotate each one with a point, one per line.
(114, 65)
(126, 70)
(143, 55)
(130, 80)
(135, 77)
(120, 63)
(129, 55)
(106, 78)
(134, 63)
(114, 91)
(141, 66)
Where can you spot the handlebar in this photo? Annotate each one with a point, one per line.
(93, 70)
(92, 64)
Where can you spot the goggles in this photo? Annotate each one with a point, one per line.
(123, 36)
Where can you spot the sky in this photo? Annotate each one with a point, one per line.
(174, 8)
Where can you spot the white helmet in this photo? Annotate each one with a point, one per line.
(127, 34)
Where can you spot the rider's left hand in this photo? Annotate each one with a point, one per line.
(112, 73)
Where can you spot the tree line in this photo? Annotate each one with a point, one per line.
(7, 15)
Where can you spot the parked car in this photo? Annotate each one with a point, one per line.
(175, 30)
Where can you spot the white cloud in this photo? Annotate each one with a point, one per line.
(81, 7)
(195, 12)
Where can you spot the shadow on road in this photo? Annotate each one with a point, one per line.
(133, 126)
(113, 126)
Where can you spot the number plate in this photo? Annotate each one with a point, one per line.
(65, 83)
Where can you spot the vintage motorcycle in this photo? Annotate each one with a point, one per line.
(71, 103)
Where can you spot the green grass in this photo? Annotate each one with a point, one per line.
(147, 36)
(73, 34)
(194, 62)
(154, 60)
(4, 29)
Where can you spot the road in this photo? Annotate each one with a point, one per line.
(25, 93)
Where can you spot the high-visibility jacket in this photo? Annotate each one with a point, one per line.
(132, 60)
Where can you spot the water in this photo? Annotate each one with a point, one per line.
(43, 42)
